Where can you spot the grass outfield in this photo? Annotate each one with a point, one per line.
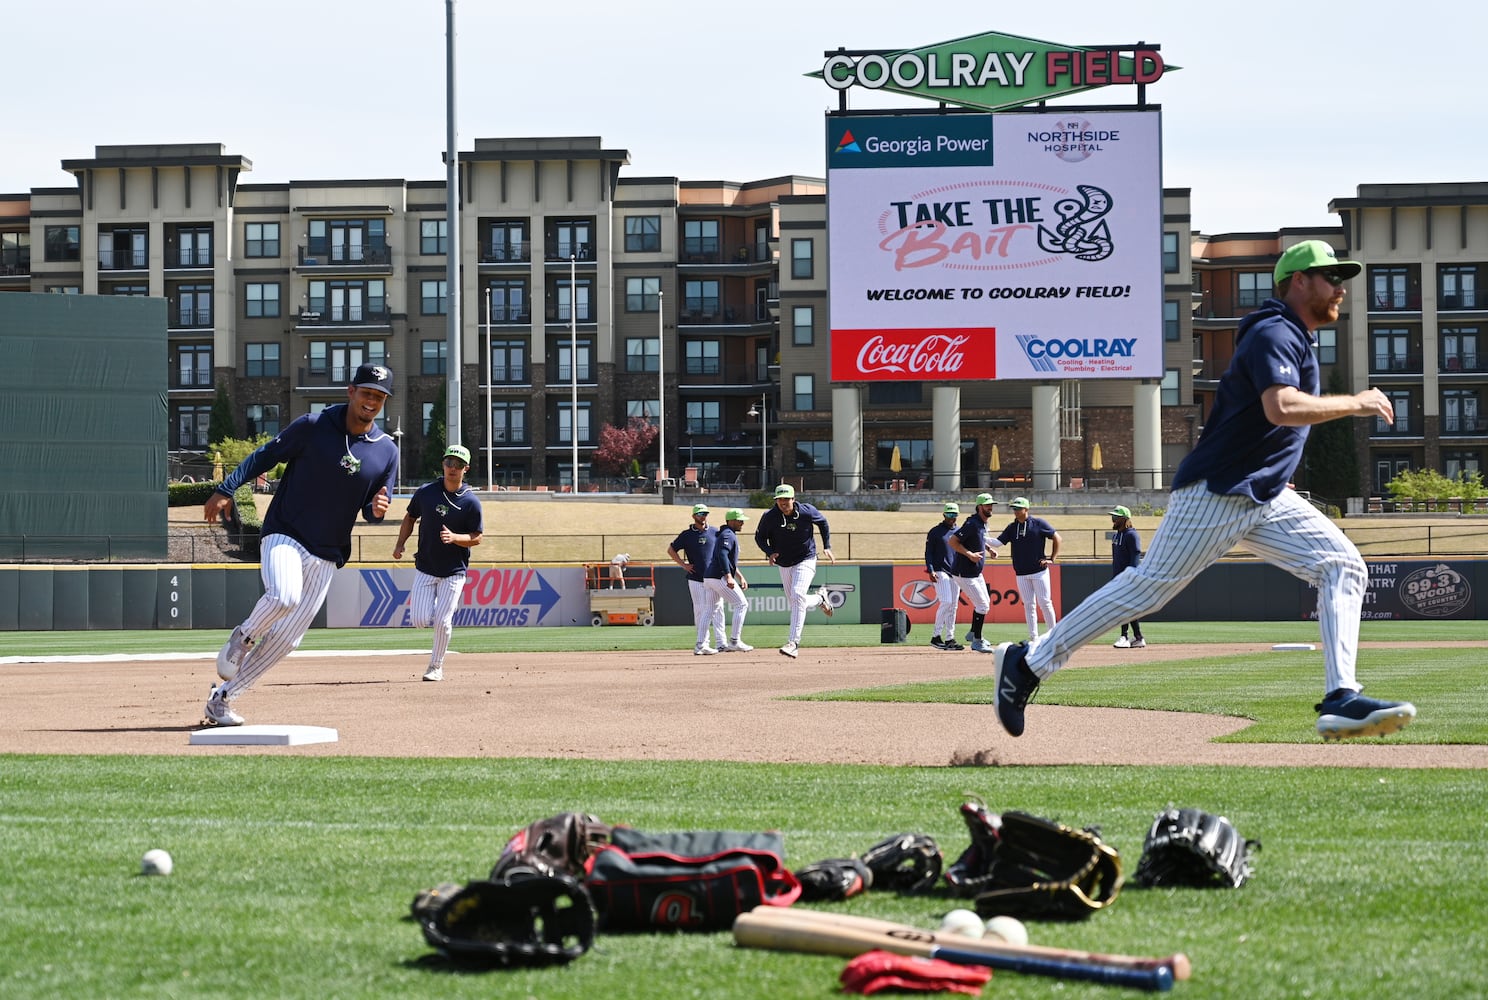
(293, 873)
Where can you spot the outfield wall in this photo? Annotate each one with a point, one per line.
(65, 598)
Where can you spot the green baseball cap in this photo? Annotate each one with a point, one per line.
(1309, 254)
(952, 509)
(1019, 502)
(1119, 511)
(985, 500)
(784, 490)
(735, 514)
(699, 508)
(458, 451)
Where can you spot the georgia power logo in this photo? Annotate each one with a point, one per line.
(848, 144)
(1435, 591)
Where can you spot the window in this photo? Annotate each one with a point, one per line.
(349, 241)
(427, 417)
(433, 236)
(914, 453)
(64, 289)
(432, 299)
(1461, 464)
(802, 321)
(194, 246)
(1327, 346)
(1170, 253)
(642, 354)
(580, 294)
(703, 417)
(506, 242)
(1170, 321)
(62, 244)
(701, 357)
(895, 393)
(566, 422)
(642, 295)
(122, 288)
(563, 371)
(1459, 346)
(260, 299)
(1255, 288)
(124, 248)
(700, 299)
(572, 238)
(337, 360)
(509, 301)
(642, 233)
(1460, 412)
(648, 410)
(261, 360)
(805, 390)
(1390, 349)
(1395, 288)
(1400, 399)
(190, 426)
(193, 305)
(508, 422)
(349, 301)
(509, 361)
(193, 366)
(1459, 287)
(813, 455)
(700, 239)
(801, 259)
(263, 418)
(261, 239)
(432, 354)
(1168, 392)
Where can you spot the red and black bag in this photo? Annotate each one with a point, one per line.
(696, 881)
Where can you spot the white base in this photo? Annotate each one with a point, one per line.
(1282, 647)
(263, 735)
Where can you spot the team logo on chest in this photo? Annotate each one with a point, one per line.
(351, 464)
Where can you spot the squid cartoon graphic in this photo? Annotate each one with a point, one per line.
(1082, 231)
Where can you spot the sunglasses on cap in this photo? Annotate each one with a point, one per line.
(1330, 275)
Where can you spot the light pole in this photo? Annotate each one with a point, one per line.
(660, 388)
(490, 378)
(398, 437)
(760, 411)
(573, 361)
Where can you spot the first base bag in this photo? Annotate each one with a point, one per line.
(697, 881)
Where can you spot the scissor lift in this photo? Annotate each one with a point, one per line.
(626, 599)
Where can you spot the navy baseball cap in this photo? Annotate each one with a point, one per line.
(374, 377)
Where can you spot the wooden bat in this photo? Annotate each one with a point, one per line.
(781, 934)
(1179, 963)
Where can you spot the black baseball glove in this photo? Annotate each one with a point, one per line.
(530, 920)
(1023, 865)
(1190, 847)
(907, 862)
(558, 845)
(834, 879)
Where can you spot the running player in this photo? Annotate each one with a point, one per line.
(339, 462)
(693, 551)
(448, 514)
(785, 536)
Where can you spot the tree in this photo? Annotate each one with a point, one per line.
(1330, 462)
(220, 427)
(620, 448)
(434, 440)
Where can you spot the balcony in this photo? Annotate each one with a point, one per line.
(707, 372)
(1464, 426)
(15, 262)
(331, 376)
(1460, 364)
(1409, 365)
(1395, 302)
(560, 374)
(123, 260)
(1461, 300)
(559, 252)
(511, 316)
(324, 258)
(506, 253)
(186, 318)
(344, 317)
(706, 251)
(183, 258)
(199, 381)
(710, 312)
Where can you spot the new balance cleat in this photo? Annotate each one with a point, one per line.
(1346, 714)
(739, 646)
(218, 712)
(952, 644)
(789, 649)
(1139, 643)
(937, 642)
(1013, 685)
(705, 651)
(979, 645)
(1122, 643)
(230, 656)
(826, 604)
(434, 674)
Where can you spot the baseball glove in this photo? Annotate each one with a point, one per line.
(1191, 847)
(558, 845)
(907, 862)
(834, 879)
(1022, 865)
(531, 920)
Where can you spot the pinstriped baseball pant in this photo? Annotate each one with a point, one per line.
(433, 603)
(295, 586)
(946, 593)
(707, 617)
(1197, 529)
(797, 583)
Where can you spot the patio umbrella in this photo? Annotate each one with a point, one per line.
(996, 464)
(1095, 457)
(896, 463)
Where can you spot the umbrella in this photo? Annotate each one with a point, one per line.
(896, 463)
(996, 464)
(1095, 457)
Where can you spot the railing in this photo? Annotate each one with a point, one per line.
(1464, 425)
(179, 256)
(505, 253)
(15, 261)
(711, 313)
(696, 371)
(562, 251)
(561, 373)
(343, 317)
(190, 317)
(318, 255)
(709, 251)
(122, 260)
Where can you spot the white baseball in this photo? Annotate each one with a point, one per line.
(156, 862)
(1010, 929)
(963, 922)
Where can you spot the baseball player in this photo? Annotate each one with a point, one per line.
(339, 462)
(938, 558)
(785, 536)
(1126, 550)
(725, 584)
(448, 514)
(1027, 535)
(969, 547)
(1232, 489)
(693, 551)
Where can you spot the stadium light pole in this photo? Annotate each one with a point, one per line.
(761, 412)
(490, 378)
(660, 389)
(573, 361)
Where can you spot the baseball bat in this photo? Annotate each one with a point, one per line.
(754, 931)
(1179, 963)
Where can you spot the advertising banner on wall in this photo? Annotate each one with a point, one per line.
(493, 598)
(1018, 245)
(1415, 590)
(914, 591)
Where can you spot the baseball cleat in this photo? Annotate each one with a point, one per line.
(1122, 643)
(705, 651)
(434, 674)
(230, 656)
(1346, 714)
(951, 644)
(1013, 684)
(1139, 643)
(826, 605)
(739, 646)
(789, 649)
(218, 712)
(937, 642)
(979, 645)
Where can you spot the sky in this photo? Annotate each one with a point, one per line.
(1277, 109)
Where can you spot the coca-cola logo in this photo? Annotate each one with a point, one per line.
(936, 353)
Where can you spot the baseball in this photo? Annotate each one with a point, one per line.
(962, 922)
(156, 862)
(1010, 929)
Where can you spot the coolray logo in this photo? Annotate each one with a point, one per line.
(848, 144)
(1041, 352)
